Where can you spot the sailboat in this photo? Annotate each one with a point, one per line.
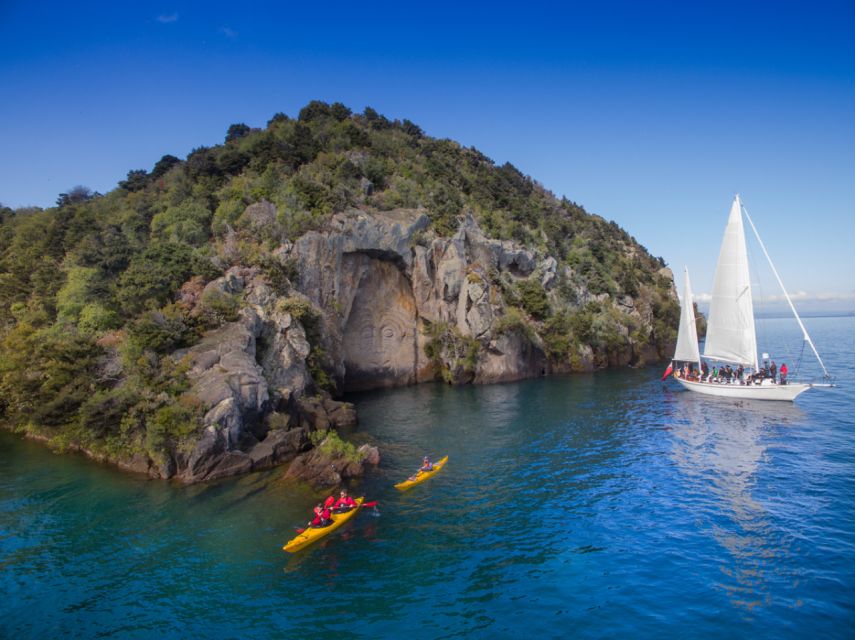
(731, 337)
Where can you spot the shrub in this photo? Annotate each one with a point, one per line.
(172, 424)
(74, 294)
(95, 319)
(330, 444)
(450, 351)
(511, 320)
(218, 307)
(556, 335)
(162, 331)
(188, 222)
(533, 298)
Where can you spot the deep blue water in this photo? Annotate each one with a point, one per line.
(608, 505)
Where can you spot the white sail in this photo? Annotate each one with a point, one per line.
(687, 336)
(730, 329)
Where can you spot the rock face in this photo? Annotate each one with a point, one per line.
(382, 286)
(379, 337)
(388, 304)
(243, 371)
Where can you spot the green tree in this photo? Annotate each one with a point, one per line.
(236, 131)
(153, 275)
(315, 110)
(533, 298)
(137, 179)
(162, 167)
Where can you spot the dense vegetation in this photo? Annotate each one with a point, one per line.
(88, 288)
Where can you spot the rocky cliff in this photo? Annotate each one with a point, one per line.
(392, 305)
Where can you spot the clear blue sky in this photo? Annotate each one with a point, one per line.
(652, 114)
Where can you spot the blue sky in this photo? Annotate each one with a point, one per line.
(652, 114)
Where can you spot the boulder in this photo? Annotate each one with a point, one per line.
(322, 470)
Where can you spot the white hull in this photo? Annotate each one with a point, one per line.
(786, 392)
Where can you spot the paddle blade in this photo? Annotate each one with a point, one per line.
(370, 504)
(299, 530)
(667, 371)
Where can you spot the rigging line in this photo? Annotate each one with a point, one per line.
(762, 320)
(786, 295)
(799, 363)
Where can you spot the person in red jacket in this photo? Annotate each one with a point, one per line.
(344, 503)
(323, 517)
(783, 372)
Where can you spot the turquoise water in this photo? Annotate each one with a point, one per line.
(610, 505)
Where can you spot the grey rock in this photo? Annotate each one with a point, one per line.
(370, 455)
(231, 464)
(258, 216)
(510, 356)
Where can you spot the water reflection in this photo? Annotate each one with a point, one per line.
(720, 447)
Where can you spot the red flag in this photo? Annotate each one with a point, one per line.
(668, 371)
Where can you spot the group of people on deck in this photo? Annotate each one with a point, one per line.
(728, 375)
(324, 510)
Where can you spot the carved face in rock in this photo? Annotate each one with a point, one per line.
(379, 338)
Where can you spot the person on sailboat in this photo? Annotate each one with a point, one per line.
(739, 371)
(773, 369)
(784, 372)
(705, 372)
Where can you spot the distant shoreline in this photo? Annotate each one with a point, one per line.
(808, 314)
(772, 315)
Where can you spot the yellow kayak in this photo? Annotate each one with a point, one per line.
(312, 534)
(421, 476)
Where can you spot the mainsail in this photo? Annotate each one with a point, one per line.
(730, 330)
(687, 336)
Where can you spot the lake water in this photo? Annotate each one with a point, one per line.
(608, 505)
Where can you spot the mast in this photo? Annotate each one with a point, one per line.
(786, 295)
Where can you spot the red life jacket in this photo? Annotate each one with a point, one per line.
(345, 502)
(325, 514)
(316, 521)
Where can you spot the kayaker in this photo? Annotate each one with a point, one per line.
(323, 517)
(344, 503)
(427, 465)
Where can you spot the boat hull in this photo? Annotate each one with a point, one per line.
(784, 392)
